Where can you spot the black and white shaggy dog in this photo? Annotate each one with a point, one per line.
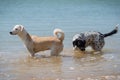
(93, 39)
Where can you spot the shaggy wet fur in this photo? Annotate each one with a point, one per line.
(93, 39)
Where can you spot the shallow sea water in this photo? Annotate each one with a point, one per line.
(40, 17)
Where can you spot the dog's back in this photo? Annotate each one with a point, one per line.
(87, 36)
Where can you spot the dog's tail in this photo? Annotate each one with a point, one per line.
(59, 34)
(112, 32)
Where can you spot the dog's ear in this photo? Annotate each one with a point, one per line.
(22, 27)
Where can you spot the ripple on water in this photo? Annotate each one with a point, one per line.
(4, 76)
(109, 57)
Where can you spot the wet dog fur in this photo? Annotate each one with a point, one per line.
(93, 39)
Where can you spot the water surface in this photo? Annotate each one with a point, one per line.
(41, 17)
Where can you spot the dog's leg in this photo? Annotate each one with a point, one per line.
(97, 47)
(32, 53)
(56, 51)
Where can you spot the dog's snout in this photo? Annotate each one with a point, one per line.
(82, 49)
(10, 32)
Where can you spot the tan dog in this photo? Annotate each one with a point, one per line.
(35, 44)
